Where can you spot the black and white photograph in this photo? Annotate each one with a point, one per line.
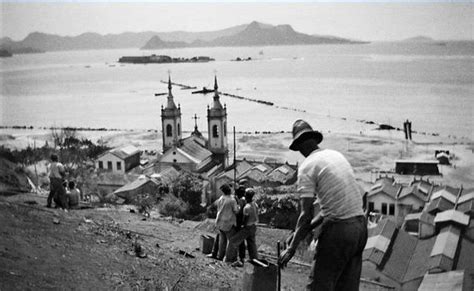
(237, 145)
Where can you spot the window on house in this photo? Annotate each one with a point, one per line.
(119, 166)
(371, 207)
(384, 208)
(411, 226)
(101, 165)
(225, 129)
(214, 131)
(391, 209)
(169, 130)
(109, 165)
(179, 129)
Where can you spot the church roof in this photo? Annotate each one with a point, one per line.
(123, 152)
(194, 149)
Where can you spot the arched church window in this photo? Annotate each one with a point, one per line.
(225, 128)
(179, 129)
(215, 133)
(169, 130)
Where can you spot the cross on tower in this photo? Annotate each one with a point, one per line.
(195, 121)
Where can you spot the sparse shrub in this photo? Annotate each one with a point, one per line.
(279, 213)
(188, 188)
(170, 205)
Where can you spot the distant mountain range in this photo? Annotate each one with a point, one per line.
(254, 34)
(251, 34)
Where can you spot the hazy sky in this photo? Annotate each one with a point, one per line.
(359, 20)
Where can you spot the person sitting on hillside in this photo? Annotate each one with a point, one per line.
(227, 208)
(247, 233)
(56, 177)
(74, 195)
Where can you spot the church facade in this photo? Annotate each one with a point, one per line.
(195, 152)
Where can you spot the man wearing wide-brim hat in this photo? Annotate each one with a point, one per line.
(327, 176)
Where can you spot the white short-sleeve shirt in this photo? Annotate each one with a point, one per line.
(328, 176)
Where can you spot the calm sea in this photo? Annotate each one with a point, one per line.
(335, 85)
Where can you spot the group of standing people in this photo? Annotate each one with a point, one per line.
(64, 194)
(236, 221)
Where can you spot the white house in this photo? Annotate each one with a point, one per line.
(119, 160)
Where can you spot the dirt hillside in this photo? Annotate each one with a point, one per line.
(95, 249)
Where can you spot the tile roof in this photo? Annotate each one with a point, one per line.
(399, 257)
(466, 207)
(142, 180)
(448, 193)
(257, 173)
(194, 150)
(379, 241)
(466, 195)
(452, 281)
(421, 216)
(439, 204)
(123, 152)
(283, 174)
(414, 190)
(466, 258)
(418, 263)
(444, 250)
(452, 215)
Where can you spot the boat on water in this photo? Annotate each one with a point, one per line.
(162, 59)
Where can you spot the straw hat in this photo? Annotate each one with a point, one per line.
(302, 131)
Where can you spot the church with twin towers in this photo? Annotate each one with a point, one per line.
(196, 152)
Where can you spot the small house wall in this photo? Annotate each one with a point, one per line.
(132, 161)
(111, 158)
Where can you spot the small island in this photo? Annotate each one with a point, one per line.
(162, 59)
(5, 53)
(239, 59)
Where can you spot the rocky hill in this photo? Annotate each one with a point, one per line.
(257, 34)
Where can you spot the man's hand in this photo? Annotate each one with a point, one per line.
(285, 257)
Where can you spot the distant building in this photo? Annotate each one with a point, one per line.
(395, 258)
(142, 185)
(395, 201)
(119, 160)
(195, 153)
(442, 157)
(414, 167)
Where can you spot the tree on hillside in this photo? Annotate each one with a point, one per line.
(188, 187)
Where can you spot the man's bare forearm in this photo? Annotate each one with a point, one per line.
(303, 227)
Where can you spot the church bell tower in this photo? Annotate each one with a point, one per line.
(170, 121)
(217, 127)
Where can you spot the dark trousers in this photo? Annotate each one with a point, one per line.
(57, 193)
(247, 233)
(337, 263)
(215, 249)
(224, 239)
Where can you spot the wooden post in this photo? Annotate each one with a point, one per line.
(278, 266)
(235, 162)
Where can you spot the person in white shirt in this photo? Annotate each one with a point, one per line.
(227, 208)
(56, 177)
(247, 233)
(327, 176)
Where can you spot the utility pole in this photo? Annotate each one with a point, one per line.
(235, 162)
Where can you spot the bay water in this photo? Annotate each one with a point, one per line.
(334, 87)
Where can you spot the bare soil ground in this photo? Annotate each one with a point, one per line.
(93, 249)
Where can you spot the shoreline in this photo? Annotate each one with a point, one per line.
(368, 153)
